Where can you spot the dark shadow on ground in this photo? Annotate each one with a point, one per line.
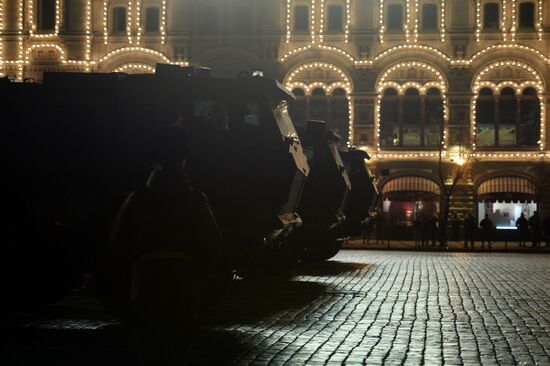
(327, 268)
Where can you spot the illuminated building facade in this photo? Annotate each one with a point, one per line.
(402, 79)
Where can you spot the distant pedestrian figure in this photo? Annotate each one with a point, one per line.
(534, 227)
(417, 227)
(455, 224)
(522, 226)
(367, 230)
(546, 228)
(469, 230)
(486, 231)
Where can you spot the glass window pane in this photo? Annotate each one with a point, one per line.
(395, 17)
(152, 21)
(429, 17)
(301, 19)
(335, 17)
(46, 15)
(527, 16)
(507, 135)
(485, 135)
(119, 20)
(530, 121)
(411, 135)
(339, 118)
(389, 122)
(491, 16)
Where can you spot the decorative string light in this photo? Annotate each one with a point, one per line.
(321, 21)
(88, 27)
(381, 22)
(540, 20)
(312, 21)
(407, 24)
(288, 19)
(412, 47)
(416, 16)
(348, 20)
(498, 47)
(20, 46)
(129, 22)
(163, 23)
(535, 82)
(105, 22)
(144, 68)
(138, 21)
(1, 39)
(32, 20)
(514, 20)
(478, 19)
(442, 20)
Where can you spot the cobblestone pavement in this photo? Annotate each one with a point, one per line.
(373, 307)
(363, 307)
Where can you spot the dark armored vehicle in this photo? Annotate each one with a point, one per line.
(325, 194)
(364, 194)
(76, 145)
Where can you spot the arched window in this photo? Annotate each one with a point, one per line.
(339, 92)
(298, 92)
(507, 120)
(526, 16)
(529, 127)
(491, 16)
(152, 19)
(318, 92)
(395, 18)
(485, 118)
(46, 15)
(335, 18)
(119, 20)
(429, 17)
(390, 134)
(301, 19)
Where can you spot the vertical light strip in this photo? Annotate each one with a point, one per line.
(416, 17)
(288, 19)
(312, 21)
(407, 32)
(348, 19)
(105, 22)
(1, 39)
(478, 19)
(129, 21)
(88, 24)
(322, 21)
(163, 23)
(542, 121)
(442, 21)
(540, 20)
(31, 20)
(20, 50)
(351, 119)
(58, 5)
(138, 21)
(381, 22)
(514, 20)
(503, 27)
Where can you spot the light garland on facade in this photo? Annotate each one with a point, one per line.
(348, 21)
(498, 47)
(442, 16)
(412, 47)
(105, 22)
(163, 23)
(381, 26)
(313, 21)
(88, 27)
(134, 66)
(416, 16)
(514, 21)
(138, 22)
(345, 84)
(478, 19)
(540, 29)
(134, 49)
(33, 20)
(288, 19)
(21, 45)
(537, 84)
(322, 21)
(408, 21)
(129, 21)
(383, 84)
(1, 39)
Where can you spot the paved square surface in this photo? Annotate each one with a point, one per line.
(374, 307)
(363, 307)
